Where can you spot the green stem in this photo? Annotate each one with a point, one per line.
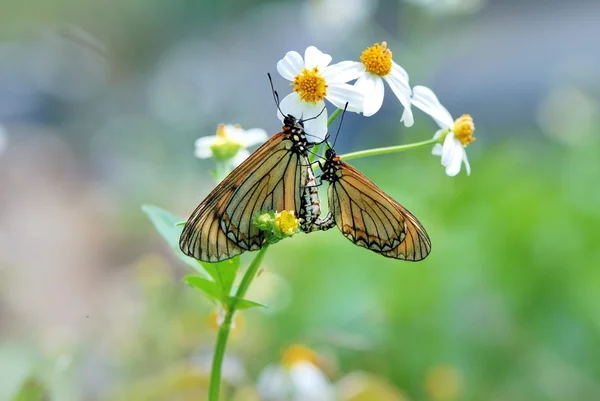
(223, 335)
(333, 116)
(389, 149)
(317, 148)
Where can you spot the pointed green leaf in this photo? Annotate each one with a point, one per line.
(245, 304)
(223, 272)
(166, 225)
(210, 288)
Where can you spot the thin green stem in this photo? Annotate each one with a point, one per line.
(333, 116)
(389, 149)
(223, 335)
(317, 147)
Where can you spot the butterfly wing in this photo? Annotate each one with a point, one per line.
(372, 219)
(272, 178)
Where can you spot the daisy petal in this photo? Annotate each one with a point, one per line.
(314, 57)
(371, 86)
(254, 136)
(291, 104)
(315, 128)
(399, 71)
(202, 147)
(401, 89)
(426, 100)
(451, 149)
(339, 94)
(407, 118)
(453, 168)
(239, 157)
(290, 66)
(437, 149)
(467, 165)
(344, 71)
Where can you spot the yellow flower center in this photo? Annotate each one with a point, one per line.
(298, 353)
(377, 59)
(463, 129)
(443, 383)
(286, 223)
(310, 85)
(224, 147)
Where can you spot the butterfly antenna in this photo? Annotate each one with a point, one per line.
(314, 154)
(317, 116)
(339, 126)
(275, 94)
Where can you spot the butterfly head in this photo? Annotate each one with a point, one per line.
(330, 154)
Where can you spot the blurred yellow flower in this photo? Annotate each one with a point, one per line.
(297, 353)
(443, 383)
(363, 386)
(297, 377)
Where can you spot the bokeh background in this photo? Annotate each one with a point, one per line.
(100, 103)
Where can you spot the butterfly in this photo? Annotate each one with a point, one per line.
(367, 216)
(276, 177)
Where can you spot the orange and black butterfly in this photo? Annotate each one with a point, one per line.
(276, 177)
(367, 216)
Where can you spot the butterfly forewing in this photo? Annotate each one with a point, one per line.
(271, 179)
(271, 189)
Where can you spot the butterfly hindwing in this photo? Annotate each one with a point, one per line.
(372, 219)
(369, 217)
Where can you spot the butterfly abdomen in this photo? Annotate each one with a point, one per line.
(310, 208)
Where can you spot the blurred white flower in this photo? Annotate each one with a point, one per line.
(376, 66)
(229, 143)
(296, 378)
(455, 134)
(350, 16)
(315, 80)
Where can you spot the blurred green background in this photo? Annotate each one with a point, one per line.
(100, 104)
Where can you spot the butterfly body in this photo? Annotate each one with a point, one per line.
(274, 178)
(367, 216)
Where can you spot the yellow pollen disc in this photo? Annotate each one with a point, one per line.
(377, 59)
(224, 147)
(310, 85)
(463, 129)
(286, 223)
(298, 353)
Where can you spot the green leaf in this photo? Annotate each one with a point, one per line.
(210, 288)
(223, 273)
(31, 390)
(245, 304)
(181, 223)
(166, 225)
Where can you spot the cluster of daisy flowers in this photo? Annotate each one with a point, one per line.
(356, 86)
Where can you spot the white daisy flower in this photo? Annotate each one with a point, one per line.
(455, 134)
(376, 66)
(297, 378)
(229, 143)
(315, 80)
